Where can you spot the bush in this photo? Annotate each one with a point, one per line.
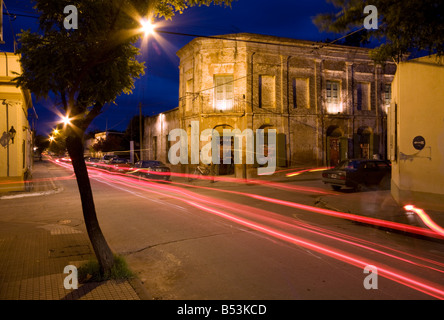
(90, 271)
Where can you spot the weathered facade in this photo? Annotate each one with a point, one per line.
(155, 140)
(326, 102)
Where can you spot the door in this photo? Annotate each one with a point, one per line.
(334, 151)
(226, 166)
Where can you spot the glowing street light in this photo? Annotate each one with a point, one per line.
(56, 131)
(51, 138)
(66, 120)
(147, 27)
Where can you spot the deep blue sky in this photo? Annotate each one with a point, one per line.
(158, 89)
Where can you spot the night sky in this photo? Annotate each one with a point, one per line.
(158, 89)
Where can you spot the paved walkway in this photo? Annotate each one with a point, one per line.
(33, 256)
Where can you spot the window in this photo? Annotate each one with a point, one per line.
(300, 93)
(223, 92)
(387, 94)
(189, 96)
(167, 148)
(370, 166)
(267, 92)
(363, 96)
(154, 147)
(333, 92)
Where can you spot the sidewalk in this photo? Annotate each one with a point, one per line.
(42, 182)
(33, 255)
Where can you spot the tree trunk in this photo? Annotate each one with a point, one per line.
(103, 252)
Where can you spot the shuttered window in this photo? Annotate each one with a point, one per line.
(223, 92)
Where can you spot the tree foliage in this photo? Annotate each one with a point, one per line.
(92, 65)
(405, 26)
(110, 144)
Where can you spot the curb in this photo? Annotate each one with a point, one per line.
(32, 194)
(139, 288)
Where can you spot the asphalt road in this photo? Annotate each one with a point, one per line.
(231, 241)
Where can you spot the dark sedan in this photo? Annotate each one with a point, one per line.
(357, 173)
(119, 165)
(151, 169)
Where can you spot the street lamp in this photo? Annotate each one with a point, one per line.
(66, 120)
(12, 133)
(147, 27)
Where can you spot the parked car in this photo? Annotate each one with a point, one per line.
(151, 169)
(119, 165)
(91, 161)
(108, 157)
(357, 173)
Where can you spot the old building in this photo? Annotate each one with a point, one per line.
(15, 131)
(326, 102)
(416, 133)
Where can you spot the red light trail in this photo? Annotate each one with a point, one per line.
(419, 285)
(203, 202)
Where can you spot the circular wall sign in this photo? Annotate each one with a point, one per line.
(419, 143)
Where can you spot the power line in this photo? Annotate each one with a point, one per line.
(214, 37)
(15, 15)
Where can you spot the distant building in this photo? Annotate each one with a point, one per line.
(416, 133)
(326, 102)
(89, 150)
(15, 132)
(155, 138)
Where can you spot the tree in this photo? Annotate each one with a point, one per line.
(110, 144)
(57, 144)
(404, 26)
(41, 143)
(132, 133)
(86, 68)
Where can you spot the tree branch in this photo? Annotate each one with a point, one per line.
(90, 116)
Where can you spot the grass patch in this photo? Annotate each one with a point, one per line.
(90, 271)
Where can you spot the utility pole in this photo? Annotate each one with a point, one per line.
(140, 129)
(1, 22)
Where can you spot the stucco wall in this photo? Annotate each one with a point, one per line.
(15, 158)
(419, 98)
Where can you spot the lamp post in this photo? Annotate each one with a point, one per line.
(148, 28)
